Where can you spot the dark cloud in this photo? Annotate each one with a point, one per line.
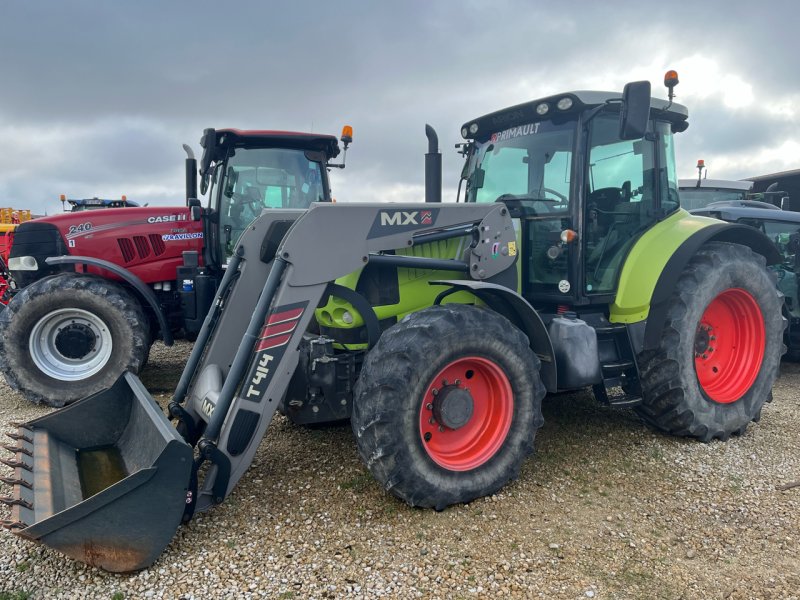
(113, 89)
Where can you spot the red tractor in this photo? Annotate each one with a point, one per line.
(97, 288)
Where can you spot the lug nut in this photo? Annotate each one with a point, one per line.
(441, 428)
(457, 382)
(435, 392)
(429, 406)
(432, 421)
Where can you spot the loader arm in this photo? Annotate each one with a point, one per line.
(327, 242)
(108, 479)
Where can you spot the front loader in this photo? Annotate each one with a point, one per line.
(437, 328)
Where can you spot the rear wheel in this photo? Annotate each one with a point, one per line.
(447, 405)
(720, 348)
(69, 336)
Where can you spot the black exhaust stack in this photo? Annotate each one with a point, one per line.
(191, 174)
(433, 167)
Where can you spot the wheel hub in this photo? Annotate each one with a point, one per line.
(703, 339)
(729, 345)
(453, 407)
(466, 413)
(70, 344)
(75, 340)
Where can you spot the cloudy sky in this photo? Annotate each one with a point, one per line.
(96, 98)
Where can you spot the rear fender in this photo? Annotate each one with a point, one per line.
(718, 232)
(140, 287)
(516, 309)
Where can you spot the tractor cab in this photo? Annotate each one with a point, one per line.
(245, 172)
(582, 185)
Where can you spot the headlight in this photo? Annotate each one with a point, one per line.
(473, 129)
(564, 103)
(464, 132)
(541, 109)
(22, 263)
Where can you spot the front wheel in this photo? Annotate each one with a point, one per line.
(69, 336)
(720, 348)
(447, 405)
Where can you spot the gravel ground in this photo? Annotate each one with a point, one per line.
(605, 509)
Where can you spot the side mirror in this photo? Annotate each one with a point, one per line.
(477, 179)
(635, 111)
(209, 143)
(789, 203)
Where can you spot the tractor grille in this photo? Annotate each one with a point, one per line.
(126, 247)
(158, 244)
(141, 246)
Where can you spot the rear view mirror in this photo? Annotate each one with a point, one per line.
(477, 178)
(789, 203)
(635, 111)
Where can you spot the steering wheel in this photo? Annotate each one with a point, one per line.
(558, 195)
(252, 198)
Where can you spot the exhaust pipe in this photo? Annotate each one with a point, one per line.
(191, 174)
(433, 167)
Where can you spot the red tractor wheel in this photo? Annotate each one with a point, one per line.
(729, 346)
(447, 405)
(720, 348)
(466, 413)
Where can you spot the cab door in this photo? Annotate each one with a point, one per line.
(629, 186)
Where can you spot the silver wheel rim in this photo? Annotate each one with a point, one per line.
(51, 361)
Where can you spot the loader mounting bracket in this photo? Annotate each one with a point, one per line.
(209, 451)
(189, 430)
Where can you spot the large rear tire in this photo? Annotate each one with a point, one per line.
(447, 405)
(720, 347)
(69, 336)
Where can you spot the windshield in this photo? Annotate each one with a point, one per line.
(530, 162)
(272, 178)
(259, 178)
(692, 198)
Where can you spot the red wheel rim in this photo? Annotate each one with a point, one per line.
(472, 444)
(729, 346)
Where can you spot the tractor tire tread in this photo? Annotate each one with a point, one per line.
(15, 363)
(394, 371)
(673, 402)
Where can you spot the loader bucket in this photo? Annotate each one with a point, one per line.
(103, 480)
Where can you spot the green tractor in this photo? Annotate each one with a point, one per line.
(437, 328)
(654, 308)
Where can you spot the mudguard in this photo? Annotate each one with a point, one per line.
(658, 258)
(516, 309)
